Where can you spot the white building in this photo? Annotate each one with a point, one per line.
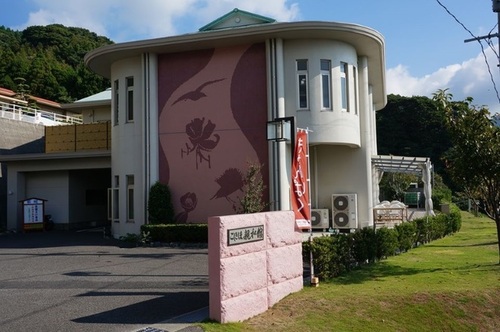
(191, 111)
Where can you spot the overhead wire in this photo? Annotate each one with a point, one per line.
(481, 44)
(490, 43)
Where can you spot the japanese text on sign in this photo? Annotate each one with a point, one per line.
(245, 235)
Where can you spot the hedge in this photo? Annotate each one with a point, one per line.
(185, 233)
(336, 254)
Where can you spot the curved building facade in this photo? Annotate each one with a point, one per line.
(191, 112)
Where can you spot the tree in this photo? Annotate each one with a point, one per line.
(474, 158)
(253, 191)
(50, 60)
(394, 185)
(412, 126)
(160, 208)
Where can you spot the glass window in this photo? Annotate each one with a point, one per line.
(326, 101)
(130, 99)
(130, 198)
(116, 200)
(344, 85)
(302, 84)
(117, 95)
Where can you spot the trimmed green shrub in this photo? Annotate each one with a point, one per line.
(365, 245)
(339, 253)
(407, 235)
(160, 208)
(387, 242)
(185, 233)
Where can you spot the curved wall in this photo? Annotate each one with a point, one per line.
(127, 156)
(336, 125)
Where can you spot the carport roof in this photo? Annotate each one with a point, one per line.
(400, 164)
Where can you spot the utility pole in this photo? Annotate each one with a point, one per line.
(496, 9)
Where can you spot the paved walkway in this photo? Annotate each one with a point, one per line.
(79, 281)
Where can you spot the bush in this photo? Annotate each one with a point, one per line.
(387, 242)
(185, 233)
(160, 206)
(407, 235)
(339, 253)
(365, 246)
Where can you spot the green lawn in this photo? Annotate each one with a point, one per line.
(452, 284)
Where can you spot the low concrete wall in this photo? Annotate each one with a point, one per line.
(248, 278)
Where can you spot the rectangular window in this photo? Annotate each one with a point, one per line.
(302, 84)
(130, 99)
(344, 85)
(130, 198)
(110, 203)
(117, 95)
(116, 200)
(326, 100)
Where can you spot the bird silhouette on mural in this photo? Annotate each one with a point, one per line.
(230, 181)
(197, 93)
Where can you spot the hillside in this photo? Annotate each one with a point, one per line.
(47, 61)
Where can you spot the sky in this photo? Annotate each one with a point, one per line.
(424, 43)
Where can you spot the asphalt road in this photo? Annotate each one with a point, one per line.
(79, 281)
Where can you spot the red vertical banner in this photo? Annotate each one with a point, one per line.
(300, 181)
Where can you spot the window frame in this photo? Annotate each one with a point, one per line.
(116, 93)
(130, 98)
(130, 199)
(302, 75)
(326, 91)
(344, 87)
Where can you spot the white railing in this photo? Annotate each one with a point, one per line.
(32, 115)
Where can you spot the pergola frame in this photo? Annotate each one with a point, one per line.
(420, 166)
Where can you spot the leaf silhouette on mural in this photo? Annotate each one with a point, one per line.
(188, 203)
(196, 94)
(230, 181)
(199, 135)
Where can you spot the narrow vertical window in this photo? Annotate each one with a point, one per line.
(326, 100)
(117, 95)
(356, 101)
(302, 84)
(130, 198)
(116, 199)
(130, 99)
(344, 85)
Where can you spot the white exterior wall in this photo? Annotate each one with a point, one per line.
(127, 153)
(342, 143)
(54, 187)
(96, 114)
(333, 126)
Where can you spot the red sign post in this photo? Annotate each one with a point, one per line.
(300, 181)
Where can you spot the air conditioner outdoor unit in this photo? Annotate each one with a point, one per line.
(320, 219)
(345, 211)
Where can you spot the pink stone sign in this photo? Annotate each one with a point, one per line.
(255, 260)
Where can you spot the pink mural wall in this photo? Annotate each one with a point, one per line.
(254, 261)
(212, 124)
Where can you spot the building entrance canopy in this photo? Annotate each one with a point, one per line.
(420, 166)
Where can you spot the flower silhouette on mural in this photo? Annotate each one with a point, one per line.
(188, 203)
(200, 135)
(230, 181)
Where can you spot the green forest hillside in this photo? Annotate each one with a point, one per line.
(47, 61)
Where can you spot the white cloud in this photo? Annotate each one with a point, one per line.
(125, 20)
(468, 79)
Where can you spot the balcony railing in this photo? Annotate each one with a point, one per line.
(33, 115)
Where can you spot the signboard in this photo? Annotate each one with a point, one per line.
(300, 181)
(245, 235)
(33, 213)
